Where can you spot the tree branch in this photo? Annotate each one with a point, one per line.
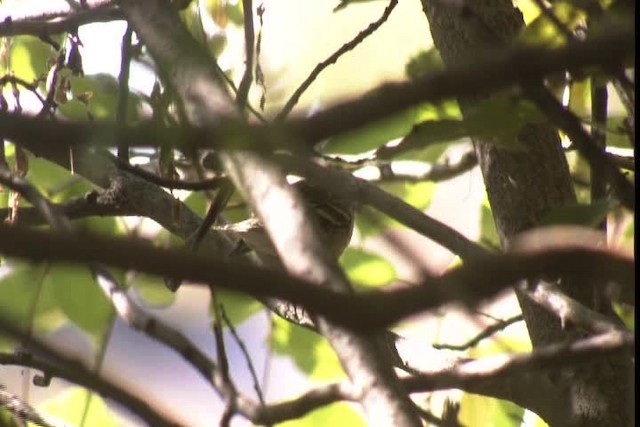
(474, 281)
(63, 366)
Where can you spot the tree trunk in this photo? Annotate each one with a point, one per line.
(522, 187)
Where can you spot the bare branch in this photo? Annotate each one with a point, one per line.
(568, 122)
(570, 311)
(42, 24)
(249, 42)
(62, 366)
(492, 73)
(126, 308)
(553, 356)
(476, 280)
(190, 71)
(486, 333)
(20, 409)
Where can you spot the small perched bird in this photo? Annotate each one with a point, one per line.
(334, 216)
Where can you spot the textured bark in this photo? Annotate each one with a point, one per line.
(522, 187)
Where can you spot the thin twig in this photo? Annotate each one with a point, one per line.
(569, 123)
(548, 13)
(249, 40)
(31, 87)
(165, 182)
(21, 409)
(473, 281)
(486, 333)
(437, 172)
(227, 387)
(59, 22)
(60, 365)
(293, 100)
(193, 242)
(245, 353)
(123, 92)
(115, 292)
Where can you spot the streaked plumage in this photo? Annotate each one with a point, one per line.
(334, 216)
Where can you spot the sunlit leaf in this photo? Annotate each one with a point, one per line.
(234, 13)
(617, 134)
(488, 233)
(81, 299)
(311, 352)
(237, 306)
(45, 174)
(29, 57)
(498, 120)
(628, 237)
(542, 31)
(580, 97)
(365, 268)
(476, 410)
(373, 136)
(26, 300)
(69, 406)
(217, 43)
(628, 315)
(423, 63)
(152, 291)
(337, 414)
(103, 99)
(529, 9)
(486, 411)
(418, 194)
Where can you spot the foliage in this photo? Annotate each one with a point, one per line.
(44, 298)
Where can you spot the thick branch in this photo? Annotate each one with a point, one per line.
(470, 283)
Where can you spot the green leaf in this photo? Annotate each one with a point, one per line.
(498, 120)
(152, 291)
(69, 406)
(235, 13)
(629, 235)
(617, 135)
(578, 214)
(7, 419)
(26, 300)
(418, 194)
(580, 97)
(502, 118)
(29, 58)
(108, 226)
(237, 306)
(365, 268)
(310, 351)
(423, 63)
(628, 315)
(542, 31)
(485, 411)
(101, 90)
(488, 232)
(375, 135)
(81, 299)
(55, 181)
(337, 414)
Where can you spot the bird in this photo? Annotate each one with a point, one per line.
(334, 214)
